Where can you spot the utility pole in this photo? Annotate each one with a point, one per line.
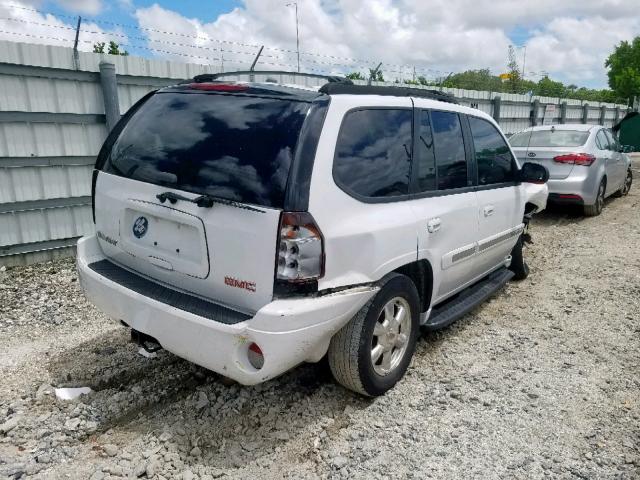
(524, 60)
(76, 57)
(252, 77)
(295, 4)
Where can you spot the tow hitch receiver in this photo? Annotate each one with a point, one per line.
(147, 342)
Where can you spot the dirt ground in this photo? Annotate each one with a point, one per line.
(541, 381)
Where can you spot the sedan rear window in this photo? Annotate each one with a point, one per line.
(235, 147)
(549, 138)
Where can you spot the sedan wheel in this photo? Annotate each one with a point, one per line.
(627, 183)
(596, 208)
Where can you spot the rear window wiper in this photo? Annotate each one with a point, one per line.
(204, 201)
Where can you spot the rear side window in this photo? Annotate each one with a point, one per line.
(494, 159)
(373, 152)
(602, 142)
(236, 147)
(613, 141)
(549, 138)
(449, 150)
(425, 158)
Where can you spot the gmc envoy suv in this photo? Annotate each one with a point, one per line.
(249, 227)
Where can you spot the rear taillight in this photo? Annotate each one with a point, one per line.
(300, 249)
(94, 179)
(585, 159)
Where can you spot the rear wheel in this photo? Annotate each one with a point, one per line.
(626, 186)
(373, 351)
(596, 209)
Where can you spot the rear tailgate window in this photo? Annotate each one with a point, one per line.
(236, 147)
(549, 138)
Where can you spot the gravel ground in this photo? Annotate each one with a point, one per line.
(541, 381)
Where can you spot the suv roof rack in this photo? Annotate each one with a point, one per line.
(351, 89)
(212, 77)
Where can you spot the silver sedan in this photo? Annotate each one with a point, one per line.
(585, 162)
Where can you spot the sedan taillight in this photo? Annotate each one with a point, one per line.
(585, 159)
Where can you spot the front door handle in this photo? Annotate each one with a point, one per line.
(433, 225)
(488, 210)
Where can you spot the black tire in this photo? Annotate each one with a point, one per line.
(596, 209)
(628, 180)
(518, 265)
(350, 351)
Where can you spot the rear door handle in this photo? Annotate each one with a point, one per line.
(433, 225)
(488, 210)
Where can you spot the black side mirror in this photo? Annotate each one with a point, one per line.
(533, 173)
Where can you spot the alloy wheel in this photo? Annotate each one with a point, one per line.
(391, 336)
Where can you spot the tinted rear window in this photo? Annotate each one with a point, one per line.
(373, 152)
(449, 149)
(235, 147)
(549, 138)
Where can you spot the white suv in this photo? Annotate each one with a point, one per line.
(250, 227)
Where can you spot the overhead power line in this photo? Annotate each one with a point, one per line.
(355, 62)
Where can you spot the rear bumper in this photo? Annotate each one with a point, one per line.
(583, 182)
(288, 332)
(566, 199)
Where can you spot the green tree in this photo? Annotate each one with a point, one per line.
(624, 69)
(376, 75)
(474, 80)
(113, 49)
(355, 76)
(515, 78)
(550, 88)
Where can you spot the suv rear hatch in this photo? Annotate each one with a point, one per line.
(542, 146)
(191, 189)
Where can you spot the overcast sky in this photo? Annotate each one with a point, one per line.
(569, 39)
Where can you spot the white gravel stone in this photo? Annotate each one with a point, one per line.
(110, 450)
(537, 382)
(10, 424)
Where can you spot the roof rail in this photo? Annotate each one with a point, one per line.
(212, 77)
(351, 89)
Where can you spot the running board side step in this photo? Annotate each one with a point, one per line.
(448, 312)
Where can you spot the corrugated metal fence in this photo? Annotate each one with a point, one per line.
(52, 124)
